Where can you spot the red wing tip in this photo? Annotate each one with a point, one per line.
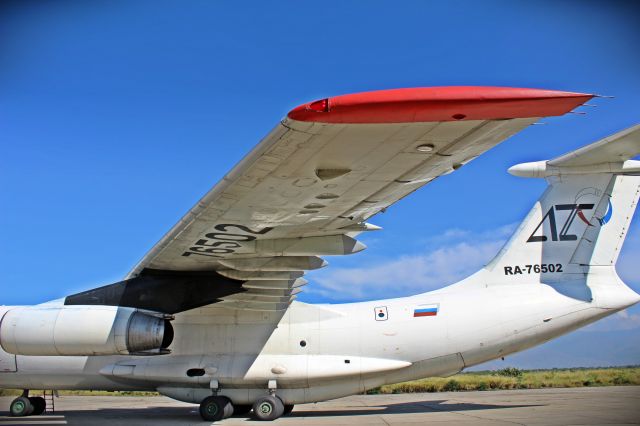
(424, 104)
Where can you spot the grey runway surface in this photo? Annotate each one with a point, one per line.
(584, 406)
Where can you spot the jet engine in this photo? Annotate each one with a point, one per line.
(85, 330)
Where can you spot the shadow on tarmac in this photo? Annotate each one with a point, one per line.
(189, 415)
(412, 407)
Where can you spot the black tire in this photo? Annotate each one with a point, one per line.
(241, 409)
(288, 408)
(227, 407)
(267, 408)
(39, 405)
(20, 407)
(212, 408)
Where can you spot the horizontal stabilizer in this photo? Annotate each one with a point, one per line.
(616, 148)
(609, 155)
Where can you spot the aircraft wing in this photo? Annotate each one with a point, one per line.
(308, 188)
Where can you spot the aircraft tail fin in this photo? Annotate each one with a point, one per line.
(582, 218)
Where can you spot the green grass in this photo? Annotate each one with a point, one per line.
(512, 378)
(508, 378)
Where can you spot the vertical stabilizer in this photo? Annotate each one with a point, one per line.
(582, 218)
(603, 238)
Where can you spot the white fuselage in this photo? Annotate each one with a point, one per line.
(319, 352)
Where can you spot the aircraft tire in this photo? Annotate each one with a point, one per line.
(288, 408)
(213, 408)
(267, 408)
(20, 407)
(228, 407)
(39, 405)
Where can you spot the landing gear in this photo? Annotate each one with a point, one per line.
(26, 405)
(268, 407)
(214, 408)
(21, 406)
(39, 405)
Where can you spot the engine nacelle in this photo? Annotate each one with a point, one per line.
(85, 330)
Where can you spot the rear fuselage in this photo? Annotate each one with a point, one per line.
(319, 352)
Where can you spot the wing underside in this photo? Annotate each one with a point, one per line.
(309, 187)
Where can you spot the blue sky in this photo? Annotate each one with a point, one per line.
(116, 117)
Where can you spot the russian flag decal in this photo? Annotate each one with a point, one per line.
(426, 310)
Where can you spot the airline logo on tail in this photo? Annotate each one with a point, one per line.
(577, 209)
(607, 216)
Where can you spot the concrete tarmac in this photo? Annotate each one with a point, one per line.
(618, 405)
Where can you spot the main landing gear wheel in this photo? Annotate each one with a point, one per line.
(267, 408)
(21, 406)
(39, 405)
(288, 408)
(214, 408)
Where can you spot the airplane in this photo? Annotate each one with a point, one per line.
(208, 315)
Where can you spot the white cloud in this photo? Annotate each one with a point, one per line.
(629, 319)
(457, 235)
(449, 257)
(627, 266)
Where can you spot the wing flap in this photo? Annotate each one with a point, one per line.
(260, 275)
(283, 263)
(244, 305)
(275, 284)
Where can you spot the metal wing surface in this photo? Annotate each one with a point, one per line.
(308, 188)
